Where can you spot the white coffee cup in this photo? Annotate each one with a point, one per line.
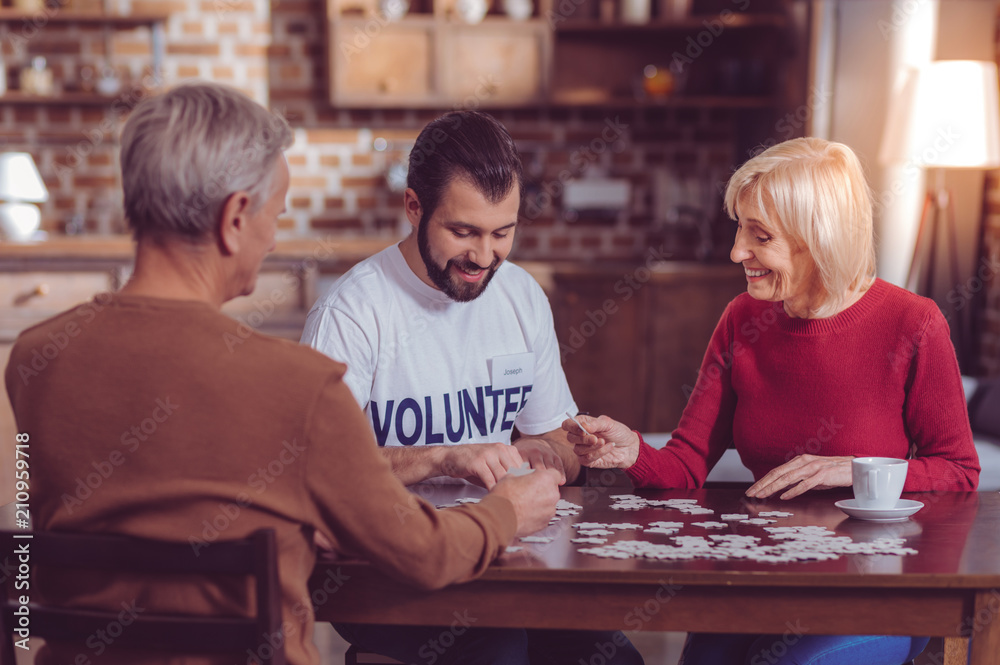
(878, 481)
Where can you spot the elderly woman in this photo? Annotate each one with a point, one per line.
(817, 363)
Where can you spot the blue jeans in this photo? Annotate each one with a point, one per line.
(794, 649)
(460, 644)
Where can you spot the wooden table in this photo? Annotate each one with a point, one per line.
(950, 589)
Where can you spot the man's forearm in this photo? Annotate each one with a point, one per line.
(571, 463)
(556, 440)
(414, 465)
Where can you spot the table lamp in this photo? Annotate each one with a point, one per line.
(947, 116)
(21, 187)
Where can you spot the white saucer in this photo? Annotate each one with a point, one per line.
(903, 509)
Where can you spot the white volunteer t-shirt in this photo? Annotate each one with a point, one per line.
(419, 363)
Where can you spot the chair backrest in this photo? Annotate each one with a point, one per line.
(254, 555)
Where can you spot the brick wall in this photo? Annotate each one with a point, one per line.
(75, 146)
(276, 52)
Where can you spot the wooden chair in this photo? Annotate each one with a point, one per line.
(255, 555)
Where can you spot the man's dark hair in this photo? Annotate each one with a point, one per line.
(463, 144)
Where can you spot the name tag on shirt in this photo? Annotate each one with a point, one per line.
(517, 369)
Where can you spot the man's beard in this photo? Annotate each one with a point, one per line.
(458, 291)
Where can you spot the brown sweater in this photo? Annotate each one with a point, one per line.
(166, 419)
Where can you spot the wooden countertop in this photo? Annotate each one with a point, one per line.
(121, 247)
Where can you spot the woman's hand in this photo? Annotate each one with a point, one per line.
(804, 473)
(607, 444)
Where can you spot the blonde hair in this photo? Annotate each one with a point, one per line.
(818, 193)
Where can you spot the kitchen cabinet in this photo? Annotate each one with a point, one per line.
(396, 68)
(19, 27)
(632, 337)
(570, 53)
(33, 295)
(500, 62)
(432, 58)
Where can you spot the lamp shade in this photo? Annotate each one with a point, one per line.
(945, 116)
(20, 180)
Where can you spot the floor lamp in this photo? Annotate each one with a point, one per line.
(946, 116)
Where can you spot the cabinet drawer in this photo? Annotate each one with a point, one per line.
(497, 64)
(29, 297)
(394, 66)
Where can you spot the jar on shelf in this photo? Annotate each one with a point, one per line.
(86, 78)
(109, 83)
(472, 11)
(519, 10)
(393, 10)
(30, 6)
(37, 79)
(636, 11)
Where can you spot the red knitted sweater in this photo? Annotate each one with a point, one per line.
(879, 378)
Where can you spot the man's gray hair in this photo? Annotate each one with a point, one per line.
(184, 153)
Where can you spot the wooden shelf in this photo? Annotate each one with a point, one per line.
(736, 20)
(679, 101)
(55, 16)
(415, 19)
(61, 99)
(60, 248)
(428, 18)
(58, 16)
